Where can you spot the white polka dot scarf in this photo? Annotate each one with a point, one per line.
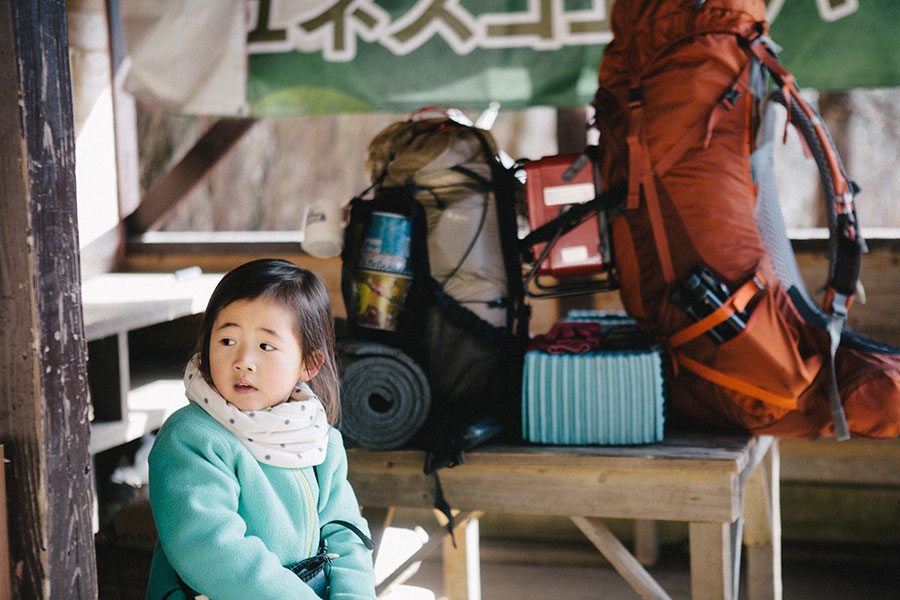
(291, 434)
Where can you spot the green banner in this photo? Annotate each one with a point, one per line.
(837, 45)
(330, 56)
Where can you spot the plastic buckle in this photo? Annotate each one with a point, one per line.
(754, 36)
(729, 98)
(839, 304)
(635, 97)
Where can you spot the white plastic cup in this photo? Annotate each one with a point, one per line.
(323, 236)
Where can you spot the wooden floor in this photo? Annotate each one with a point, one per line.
(809, 573)
(519, 571)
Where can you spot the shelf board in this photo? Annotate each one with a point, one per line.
(148, 406)
(118, 302)
(113, 305)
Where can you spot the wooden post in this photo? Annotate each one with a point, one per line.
(712, 566)
(5, 586)
(646, 541)
(762, 529)
(43, 384)
(462, 563)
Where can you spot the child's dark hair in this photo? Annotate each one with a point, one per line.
(297, 289)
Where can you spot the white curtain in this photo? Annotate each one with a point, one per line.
(187, 56)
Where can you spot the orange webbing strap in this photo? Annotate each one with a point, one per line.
(737, 303)
(656, 222)
(634, 180)
(636, 151)
(640, 173)
(737, 385)
(695, 330)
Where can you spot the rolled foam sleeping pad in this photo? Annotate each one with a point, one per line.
(385, 397)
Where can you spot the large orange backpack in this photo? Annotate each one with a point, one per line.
(702, 257)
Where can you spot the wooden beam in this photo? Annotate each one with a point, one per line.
(128, 171)
(620, 558)
(161, 199)
(5, 585)
(168, 243)
(43, 376)
(864, 463)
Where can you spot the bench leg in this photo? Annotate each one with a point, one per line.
(435, 539)
(762, 529)
(712, 562)
(462, 563)
(646, 541)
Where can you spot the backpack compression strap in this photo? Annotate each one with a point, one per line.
(642, 175)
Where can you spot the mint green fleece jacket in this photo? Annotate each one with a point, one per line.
(227, 523)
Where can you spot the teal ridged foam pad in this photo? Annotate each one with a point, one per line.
(608, 396)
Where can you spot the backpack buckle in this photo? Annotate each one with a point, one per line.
(635, 97)
(730, 97)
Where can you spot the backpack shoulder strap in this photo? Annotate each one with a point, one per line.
(846, 244)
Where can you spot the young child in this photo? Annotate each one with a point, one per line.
(245, 478)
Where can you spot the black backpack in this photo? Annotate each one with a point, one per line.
(473, 366)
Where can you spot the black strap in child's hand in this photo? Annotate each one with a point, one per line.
(366, 540)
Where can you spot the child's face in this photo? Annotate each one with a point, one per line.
(254, 354)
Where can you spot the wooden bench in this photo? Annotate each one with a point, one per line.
(725, 488)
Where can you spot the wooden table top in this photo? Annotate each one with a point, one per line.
(684, 478)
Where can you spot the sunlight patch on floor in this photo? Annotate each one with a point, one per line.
(397, 545)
